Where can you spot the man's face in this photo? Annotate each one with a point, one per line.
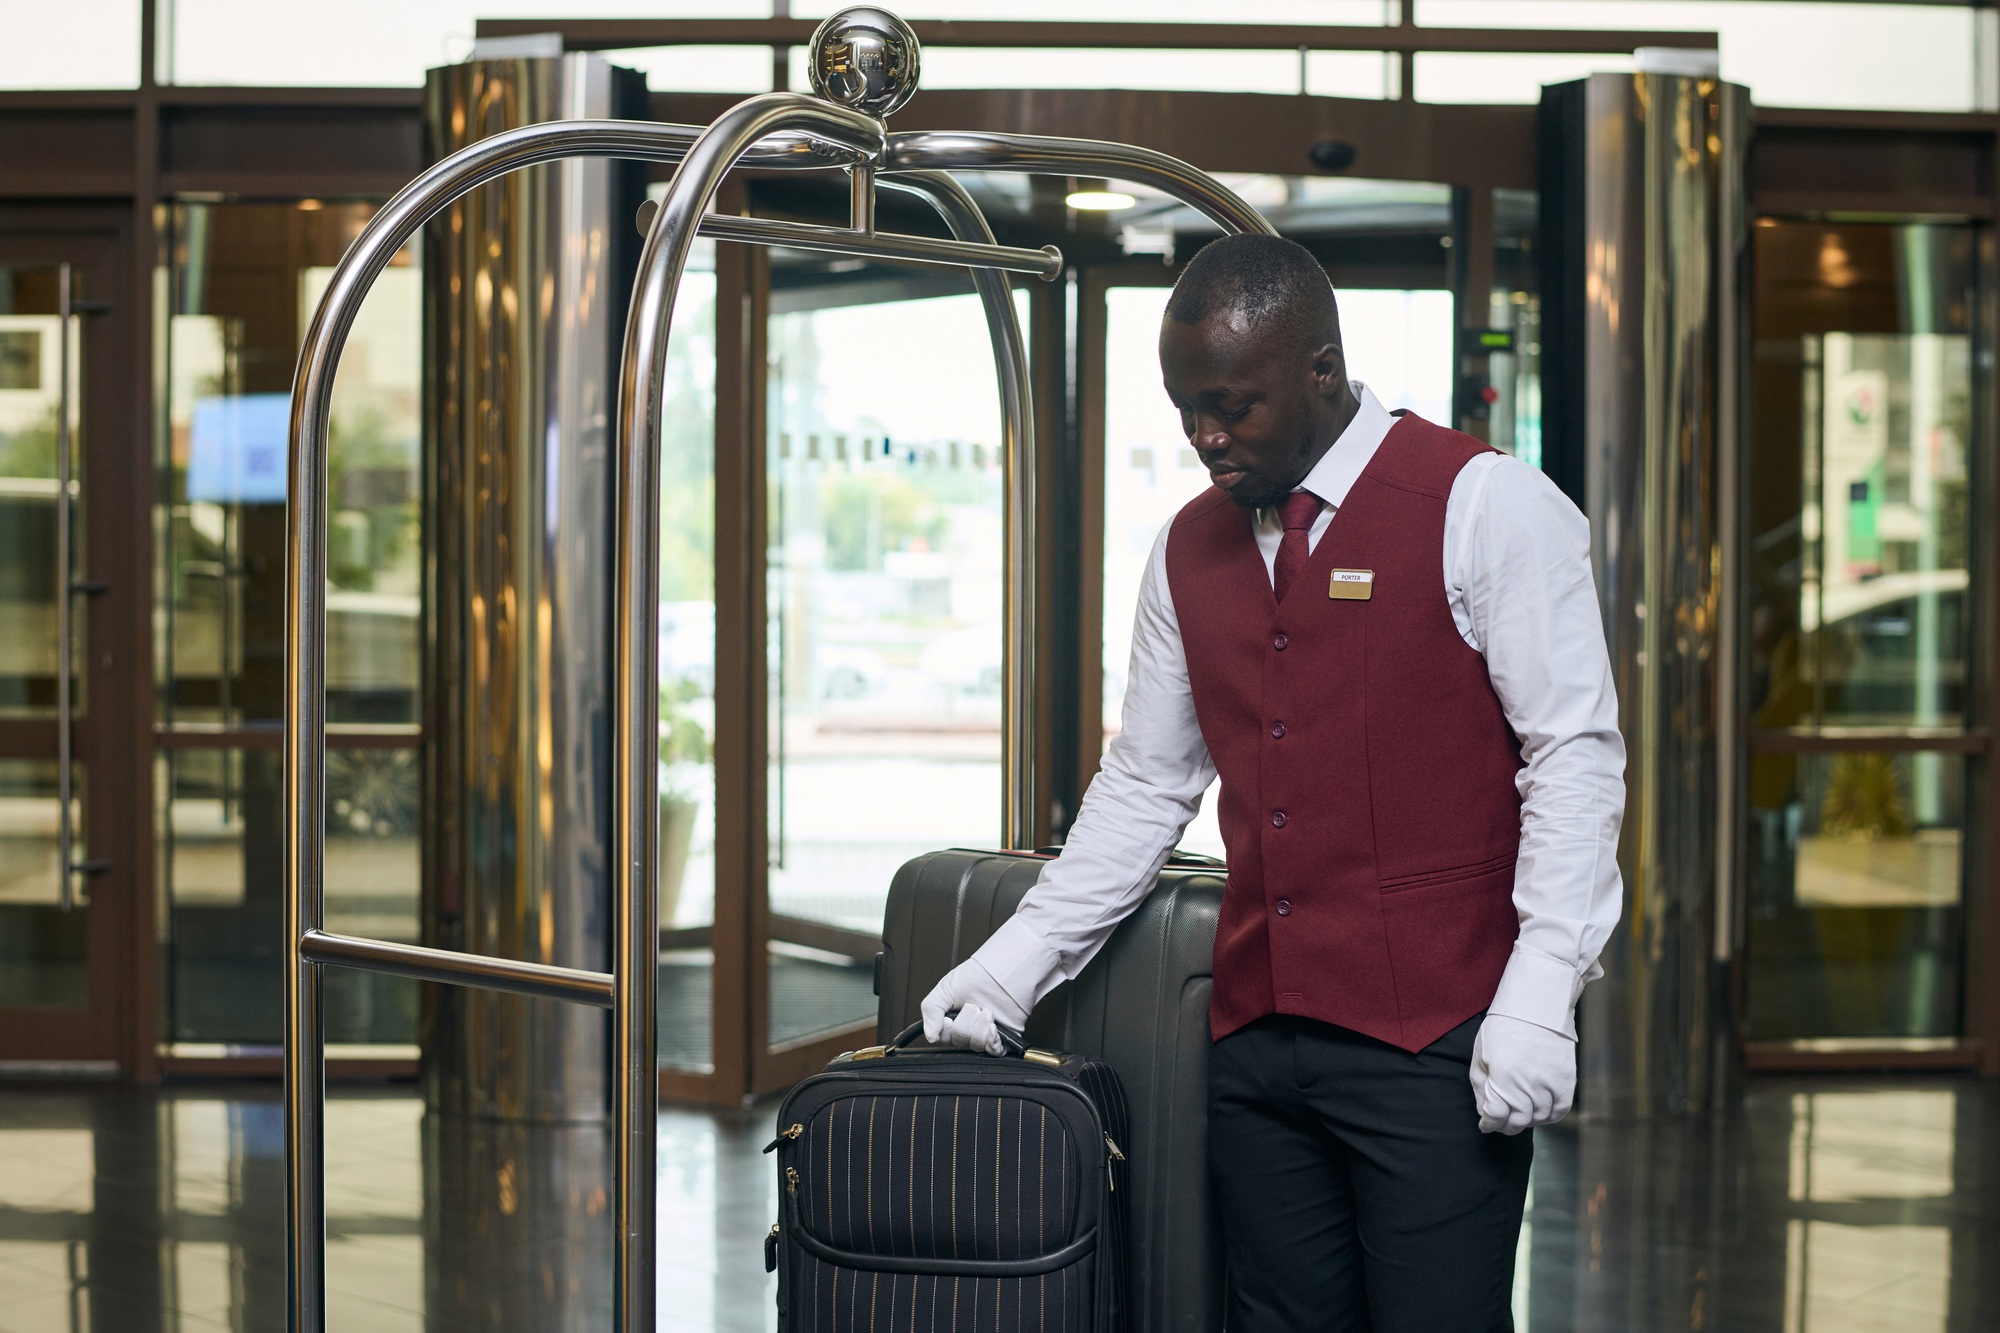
(1258, 407)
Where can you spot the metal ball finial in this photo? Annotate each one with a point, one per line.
(865, 58)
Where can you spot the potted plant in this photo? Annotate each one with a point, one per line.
(685, 755)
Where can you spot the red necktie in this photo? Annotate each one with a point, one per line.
(1298, 510)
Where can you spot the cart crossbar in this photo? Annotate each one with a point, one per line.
(459, 969)
(1045, 263)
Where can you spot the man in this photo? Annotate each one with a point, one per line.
(1385, 638)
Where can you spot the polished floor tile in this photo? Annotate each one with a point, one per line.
(1812, 1206)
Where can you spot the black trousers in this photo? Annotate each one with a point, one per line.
(1357, 1193)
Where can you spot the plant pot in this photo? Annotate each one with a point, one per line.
(676, 837)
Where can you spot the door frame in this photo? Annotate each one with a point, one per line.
(112, 737)
(1884, 167)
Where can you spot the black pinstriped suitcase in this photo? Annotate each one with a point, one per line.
(1141, 1007)
(945, 1189)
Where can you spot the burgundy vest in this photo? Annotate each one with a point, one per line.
(1368, 803)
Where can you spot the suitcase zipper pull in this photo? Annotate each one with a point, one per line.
(785, 1135)
(771, 1250)
(792, 1180)
(1112, 1144)
(1113, 1157)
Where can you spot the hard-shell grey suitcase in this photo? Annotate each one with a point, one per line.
(1141, 1007)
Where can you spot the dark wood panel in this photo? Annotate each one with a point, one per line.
(405, 99)
(291, 150)
(66, 151)
(1485, 146)
(1946, 167)
(1837, 202)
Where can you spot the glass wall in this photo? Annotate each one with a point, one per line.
(885, 607)
(89, 44)
(1885, 56)
(243, 282)
(1860, 606)
(1902, 56)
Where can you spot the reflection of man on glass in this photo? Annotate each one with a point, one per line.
(1384, 637)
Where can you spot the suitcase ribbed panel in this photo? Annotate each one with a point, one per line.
(1141, 1006)
(939, 1177)
(946, 1190)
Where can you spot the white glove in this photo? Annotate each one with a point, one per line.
(1523, 1075)
(982, 1005)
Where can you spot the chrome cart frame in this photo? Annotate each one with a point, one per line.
(864, 62)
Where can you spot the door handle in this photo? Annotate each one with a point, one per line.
(67, 587)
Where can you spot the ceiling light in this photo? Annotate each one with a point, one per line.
(1099, 201)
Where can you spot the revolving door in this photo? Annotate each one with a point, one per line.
(864, 66)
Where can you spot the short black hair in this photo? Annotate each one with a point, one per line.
(1268, 279)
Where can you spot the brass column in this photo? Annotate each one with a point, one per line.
(1644, 236)
(526, 286)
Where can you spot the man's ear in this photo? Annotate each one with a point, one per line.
(1329, 370)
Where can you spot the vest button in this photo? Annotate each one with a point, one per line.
(1284, 907)
(1277, 819)
(1277, 731)
(1280, 642)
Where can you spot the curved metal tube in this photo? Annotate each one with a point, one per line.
(844, 136)
(939, 150)
(1019, 790)
(778, 129)
(636, 692)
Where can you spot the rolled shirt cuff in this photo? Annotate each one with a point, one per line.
(1020, 962)
(1538, 989)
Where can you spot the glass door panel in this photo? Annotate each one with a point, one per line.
(1398, 342)
(44, 958)
(1857, 878)
(32, 394)
(885, 634)
(57, 980)
(1861, 601)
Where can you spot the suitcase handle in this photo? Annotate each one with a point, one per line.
(1013, 1042)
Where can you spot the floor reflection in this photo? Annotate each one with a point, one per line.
(1817, 1206)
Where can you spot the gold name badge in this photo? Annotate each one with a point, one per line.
(1352, 585)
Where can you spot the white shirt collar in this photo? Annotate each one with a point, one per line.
(1334, 475)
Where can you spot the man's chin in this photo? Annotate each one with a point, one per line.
(1252, 497)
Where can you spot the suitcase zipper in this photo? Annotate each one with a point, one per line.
(771, 1250)
(1110, 1162)
(792, 1181)
(791, 1134)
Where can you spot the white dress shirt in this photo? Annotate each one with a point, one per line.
(1517, 575)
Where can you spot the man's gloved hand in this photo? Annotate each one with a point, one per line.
(981, 1003)
(1523, 1075)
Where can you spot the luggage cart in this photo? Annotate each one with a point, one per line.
(864, 65)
